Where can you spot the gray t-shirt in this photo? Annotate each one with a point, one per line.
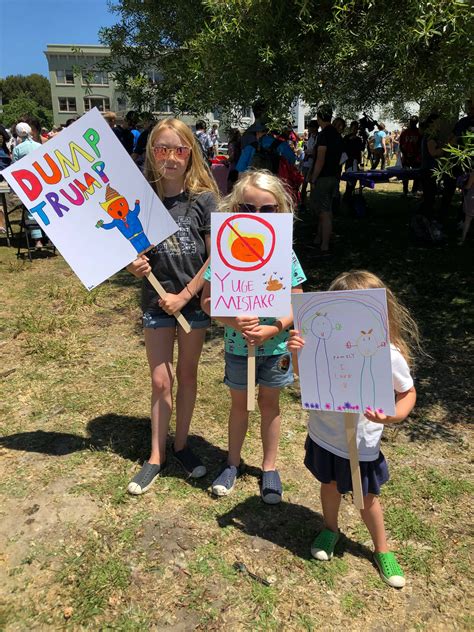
(179, 258)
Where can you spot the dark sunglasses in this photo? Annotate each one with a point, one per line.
(265, 208)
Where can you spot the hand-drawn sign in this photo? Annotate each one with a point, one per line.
(345, 365)
(253, 250)
(90, 198)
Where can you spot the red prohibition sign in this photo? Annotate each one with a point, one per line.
(227, 224)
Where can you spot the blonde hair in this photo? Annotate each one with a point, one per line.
(110, 117)
(260, 179)
(404, 333)
(197, 178)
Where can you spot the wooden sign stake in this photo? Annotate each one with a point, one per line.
(162, 293)
(350, 422)
(251, 378)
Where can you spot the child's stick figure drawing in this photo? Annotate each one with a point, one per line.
(322, 328)
(346, 361)
(367, 345)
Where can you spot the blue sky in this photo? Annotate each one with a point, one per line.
(27, 26)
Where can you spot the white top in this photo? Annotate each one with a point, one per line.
(328, 431)
(310, 143)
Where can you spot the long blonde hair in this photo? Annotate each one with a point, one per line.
(260, 179)
(197, 178)
(404, 333)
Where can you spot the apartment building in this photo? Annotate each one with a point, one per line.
(76, 87)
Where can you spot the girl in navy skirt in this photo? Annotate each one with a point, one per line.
(327, 456)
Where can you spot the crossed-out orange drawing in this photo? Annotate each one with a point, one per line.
(248, 248)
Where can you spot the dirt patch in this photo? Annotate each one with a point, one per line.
(167, 540)
(40, 520)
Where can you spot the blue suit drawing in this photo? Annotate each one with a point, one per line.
(126, 221)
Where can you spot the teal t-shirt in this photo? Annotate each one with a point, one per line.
(378, 136)
(233, 339)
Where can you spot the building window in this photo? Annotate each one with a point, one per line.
(101, 103)
(163, 106)
(67, 104)
(64, 76)
(98, 78)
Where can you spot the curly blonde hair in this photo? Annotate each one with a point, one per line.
(260, 179)
(198, 178)
(404, 333)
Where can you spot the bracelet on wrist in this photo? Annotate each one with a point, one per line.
(189, 291)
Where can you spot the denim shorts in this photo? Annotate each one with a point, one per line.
(196, 318)
(275, 371)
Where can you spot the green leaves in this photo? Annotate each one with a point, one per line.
(216, 52)
(25, 105)
(457, 159)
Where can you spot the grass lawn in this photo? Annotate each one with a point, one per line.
(80, 553)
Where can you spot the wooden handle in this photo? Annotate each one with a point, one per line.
(162, 293)
(350, 422)
(251, 378)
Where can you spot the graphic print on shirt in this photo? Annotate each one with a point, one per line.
(182, 242)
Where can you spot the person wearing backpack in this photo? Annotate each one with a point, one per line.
(265, 153)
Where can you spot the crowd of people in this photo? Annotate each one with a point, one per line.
(270, 171)
(314, 160)
(326, 150)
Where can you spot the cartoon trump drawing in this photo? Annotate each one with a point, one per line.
(124, 219)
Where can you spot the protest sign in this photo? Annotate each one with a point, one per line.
(251, 270)
(91, 199)
(251, 264)
(345, 364)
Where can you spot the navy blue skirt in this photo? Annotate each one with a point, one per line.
(327, 467)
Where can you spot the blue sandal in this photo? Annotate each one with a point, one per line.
(271, 489)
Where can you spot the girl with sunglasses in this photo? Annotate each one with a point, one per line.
(175, 169)
(256, 192)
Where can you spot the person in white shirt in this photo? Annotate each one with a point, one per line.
(308, 161)
(26, 145)
(327, 455)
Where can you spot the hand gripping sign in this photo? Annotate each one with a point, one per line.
(345, 365)
(251, 270)
(92, 201)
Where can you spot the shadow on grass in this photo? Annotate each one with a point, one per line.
(428, 430)
(287, 525)
(126, 436)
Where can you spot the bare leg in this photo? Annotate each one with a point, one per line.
(465, 227)
(189, 352)
(269, 405)
(238, 424)
(372, 515)
(317, 239)
(330, 501)
(325, 223)
(159, 349)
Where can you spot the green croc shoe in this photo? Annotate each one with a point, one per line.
(324, 544)
(389, 569)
